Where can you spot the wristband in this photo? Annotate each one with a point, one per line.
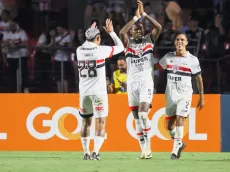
(135, 18)
(144, 14)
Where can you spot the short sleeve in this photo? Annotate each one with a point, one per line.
(195, 68)
(65, 40)
(162, 64)
(42, 39)
(149, 40)
(23, 36)
(5, 36)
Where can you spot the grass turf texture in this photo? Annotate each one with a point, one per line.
(112, 162)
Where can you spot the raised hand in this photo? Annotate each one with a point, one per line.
(138, 12)
(140, 6)
(108, 26)
(94, 25)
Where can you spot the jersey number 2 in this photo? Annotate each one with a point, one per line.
(186, 106)
(90, 67)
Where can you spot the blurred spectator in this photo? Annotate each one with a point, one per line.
(44, 12)
(118, 84)
(62, 40)
(43, 60)
(14, 40)
(78, 38)
(194, 33)
(4, 28)
(95, 11)
(5, 20)
(2, 6)
(214, 38)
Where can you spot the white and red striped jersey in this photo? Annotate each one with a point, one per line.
(179, 72)
(140, 59)
(91, 65)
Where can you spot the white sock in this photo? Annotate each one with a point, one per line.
(178, 139)
(98, 141)
(139, 133)
(85, 144)
(146, 127)
(172, 133)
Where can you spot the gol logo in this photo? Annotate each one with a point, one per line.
(56, 124)
(158, 126)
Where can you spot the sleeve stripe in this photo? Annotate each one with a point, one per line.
(111, 54)
(159, 66)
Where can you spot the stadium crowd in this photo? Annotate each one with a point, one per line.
(43, 45)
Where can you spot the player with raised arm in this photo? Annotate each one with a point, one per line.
(180, 66)
(140, 60)
(92, 86)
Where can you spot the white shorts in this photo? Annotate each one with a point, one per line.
(180, 107)
(139, 91)
(94, 105)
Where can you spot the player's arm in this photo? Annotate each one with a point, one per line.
(128, 26)
(156, 26)
(200, 86)
(196, 71)
(119, 47)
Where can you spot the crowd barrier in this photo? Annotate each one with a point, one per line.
(51, 122)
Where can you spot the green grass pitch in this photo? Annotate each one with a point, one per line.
(112, 162)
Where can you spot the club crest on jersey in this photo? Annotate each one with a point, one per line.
(139, 52)
(175, 68)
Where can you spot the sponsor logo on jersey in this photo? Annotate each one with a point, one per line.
(175, 78)
(88, 49)
(140, 60)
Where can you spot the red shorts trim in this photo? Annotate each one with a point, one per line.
(169, 117)
(133, 108)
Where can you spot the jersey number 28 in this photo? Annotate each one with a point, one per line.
(90, 66)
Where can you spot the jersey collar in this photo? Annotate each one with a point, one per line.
(186, 55)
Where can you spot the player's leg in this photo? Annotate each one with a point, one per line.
(171, 118)
(146, 95)
(171, 125)
(182, 111)
(133, 100)
(86, 114)
(99, 136)
(85, 135)
(100, 106)
(139, 131)
(143, 111)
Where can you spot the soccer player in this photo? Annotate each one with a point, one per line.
(92, 86)
(180, 66)
(139, 57)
